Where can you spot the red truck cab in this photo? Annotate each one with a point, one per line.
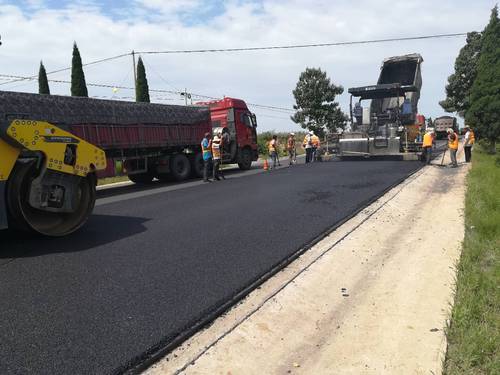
(233, 117)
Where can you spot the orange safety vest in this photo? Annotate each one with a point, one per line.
(272, 146)
(453, 144)
(216, 149)
(315, 140)
(472, 137)
(427, 140)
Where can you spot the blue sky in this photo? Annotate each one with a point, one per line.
(37, 30)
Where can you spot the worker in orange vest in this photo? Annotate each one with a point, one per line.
(469, 140)
(307, 145)
(217, 156)
(427, 145)
(453, 146)
(273, 150)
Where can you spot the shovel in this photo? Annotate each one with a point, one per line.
(442, 159)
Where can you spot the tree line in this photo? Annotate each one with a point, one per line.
(79, 86)
(473, 90)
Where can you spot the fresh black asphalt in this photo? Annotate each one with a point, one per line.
(143, 270)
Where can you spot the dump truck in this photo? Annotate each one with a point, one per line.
(441, 125)
(384, 117)
(54, 148)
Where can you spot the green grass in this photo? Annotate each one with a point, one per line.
(473, 334)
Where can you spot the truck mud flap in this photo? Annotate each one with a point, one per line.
(3, 206)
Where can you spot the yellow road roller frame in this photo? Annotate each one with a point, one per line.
(53, 142)
(8, 157)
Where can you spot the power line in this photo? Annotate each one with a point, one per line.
(68, 68)
(295, 46)
(240, 49)
(103, 85)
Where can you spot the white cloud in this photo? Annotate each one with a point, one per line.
(265, 77)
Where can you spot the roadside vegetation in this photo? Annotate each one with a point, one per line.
(474, 331)
(264, 138)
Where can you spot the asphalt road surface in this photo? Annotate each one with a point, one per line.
(150, 263)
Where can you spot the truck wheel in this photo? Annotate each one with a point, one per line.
(141, 178)
(197, 165)
(180, 168)
(245, 159)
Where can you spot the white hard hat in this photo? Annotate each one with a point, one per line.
(216, 138)
(449, 130)
(311, 133)
(292, 133)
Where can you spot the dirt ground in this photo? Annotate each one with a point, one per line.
(371, 298)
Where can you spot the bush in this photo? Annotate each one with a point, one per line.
(264, 138)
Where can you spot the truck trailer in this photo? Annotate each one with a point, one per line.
(54, 148)
(384, 120)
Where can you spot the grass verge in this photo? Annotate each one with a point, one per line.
(473, 334)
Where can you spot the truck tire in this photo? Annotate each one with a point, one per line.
(245, 159)
(197, 165)
(180, 168)
(141, 178)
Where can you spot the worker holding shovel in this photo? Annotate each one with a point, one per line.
(453, 146)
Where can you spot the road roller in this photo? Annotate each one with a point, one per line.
(47, 177)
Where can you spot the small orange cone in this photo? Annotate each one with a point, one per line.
(266, 165)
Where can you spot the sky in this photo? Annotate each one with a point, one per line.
(35, 30)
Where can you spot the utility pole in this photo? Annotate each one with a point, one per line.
(185, 96)
(135, 71)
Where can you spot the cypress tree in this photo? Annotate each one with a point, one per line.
(43, 83)
(78, 85)
(484, 111)
(142, 89)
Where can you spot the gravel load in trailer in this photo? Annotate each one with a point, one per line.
(109, 123)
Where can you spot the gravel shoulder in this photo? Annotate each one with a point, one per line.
(371, 298)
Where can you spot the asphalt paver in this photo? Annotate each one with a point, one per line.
(145, 269)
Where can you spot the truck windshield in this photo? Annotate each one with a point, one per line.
(249, 120)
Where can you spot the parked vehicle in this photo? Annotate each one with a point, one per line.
(53, 149)
(233, 116)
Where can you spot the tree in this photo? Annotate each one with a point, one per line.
(78, 85)
(315, 107)
(141, 88)
(460, 82)
(484, 111)
(43, 83)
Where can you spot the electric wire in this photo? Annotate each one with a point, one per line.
(240, 49)
(120, 87)
(295, 46)
(69, 68)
